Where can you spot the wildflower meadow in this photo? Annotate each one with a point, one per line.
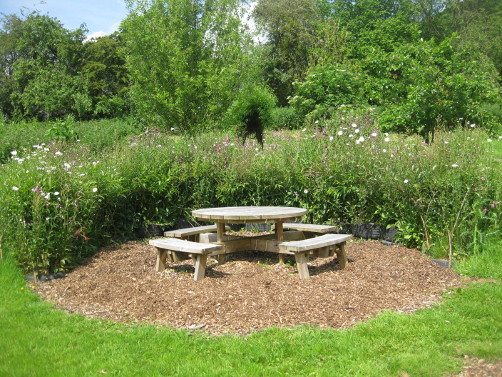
(62, 200)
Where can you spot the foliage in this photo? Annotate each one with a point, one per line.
(477, 22)
(186, 59)
(251, 112)
(290, 30)
(44, 65)
(328, 87)
(443, 197)
(106, 76)
(49, 72)
(63, 130)
(417, 88)
(285, 118)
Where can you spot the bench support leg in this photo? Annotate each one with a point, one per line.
(341, 255)
(301, 265)
(200, 266)
(279, 234)
(160, 265)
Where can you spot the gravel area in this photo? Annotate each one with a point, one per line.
(251, 291)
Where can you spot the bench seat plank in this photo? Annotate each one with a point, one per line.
(180, 233)
(310, 227)
(315, 243)
(198, 251)
(321, 246)
(175, 244)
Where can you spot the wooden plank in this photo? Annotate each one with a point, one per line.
(314, 243)
(180, 233)
(301, 265)
(341, 255)
(279, 233)
(220, 226)
(160, 264)
(176, 244)
(311, 227)
(200, 267)
(262, 214)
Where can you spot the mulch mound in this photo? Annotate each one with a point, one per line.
(250, 291)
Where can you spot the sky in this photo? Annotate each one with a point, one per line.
(102, 17)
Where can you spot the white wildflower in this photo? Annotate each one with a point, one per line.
(340, 133)
(454, 166)
(406, 181)
(374, 134)
(13, 153)
(306, 191)
(15, 188)
(386, 139)
(95, 189)
(489, 140)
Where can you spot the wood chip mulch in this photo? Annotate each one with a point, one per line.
(250, 291)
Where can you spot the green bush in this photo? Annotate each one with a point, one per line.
(285, 118)
(418, 87)
(251, 112)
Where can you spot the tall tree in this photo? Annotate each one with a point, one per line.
(290, 27)
(186, 59)
(106, 75)
(42, 65)
(10, 32)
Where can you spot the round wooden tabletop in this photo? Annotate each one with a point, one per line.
(248, 214)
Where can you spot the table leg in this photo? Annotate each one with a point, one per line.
(220, 233)
(279, 233)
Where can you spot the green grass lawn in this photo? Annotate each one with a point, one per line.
(38, 340)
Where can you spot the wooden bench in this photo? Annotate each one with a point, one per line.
(313, 228)
(177, 250)
(190, 233)
(321, 246)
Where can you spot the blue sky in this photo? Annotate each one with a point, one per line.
(100, 16)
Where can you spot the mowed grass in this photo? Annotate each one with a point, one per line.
(37, 340)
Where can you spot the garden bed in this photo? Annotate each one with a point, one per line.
(251, 291)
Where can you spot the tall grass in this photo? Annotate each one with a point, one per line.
(63, 200)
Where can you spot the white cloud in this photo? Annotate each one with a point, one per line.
(95, 35)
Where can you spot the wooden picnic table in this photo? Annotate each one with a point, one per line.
(245, 215)
(301, 240)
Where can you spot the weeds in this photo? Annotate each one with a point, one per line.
(443, 197)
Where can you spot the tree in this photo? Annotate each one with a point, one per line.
(290, 26)
(478, 23)
(106, 75)
(42, 68)
(187, 59)
(10, 32)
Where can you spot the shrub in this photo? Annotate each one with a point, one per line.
(285, 118)
(61, 201)
(251, 112)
